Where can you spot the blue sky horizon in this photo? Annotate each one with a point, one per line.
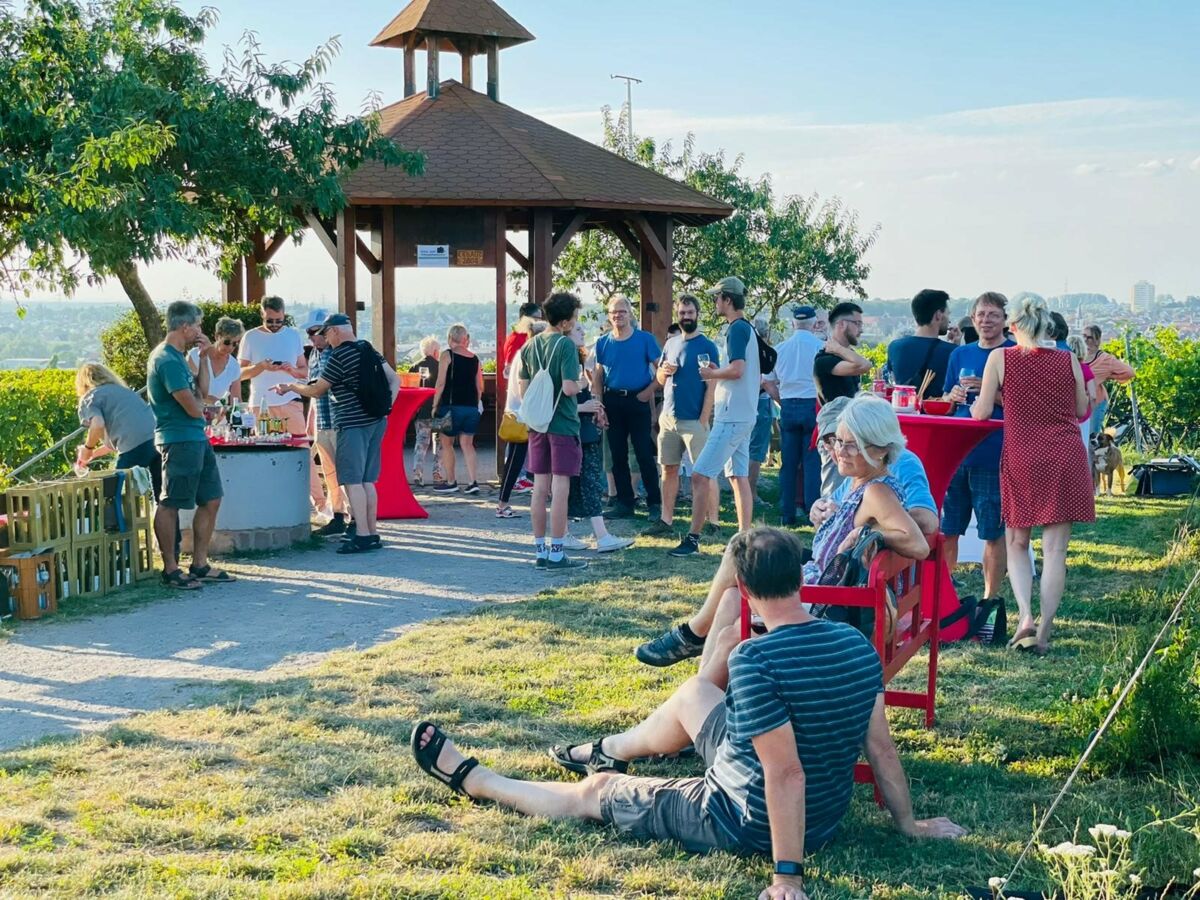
(1021, 146)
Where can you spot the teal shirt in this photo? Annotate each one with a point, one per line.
(166, 372)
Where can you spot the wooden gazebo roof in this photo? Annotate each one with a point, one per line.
(452, 18)
(479, 152)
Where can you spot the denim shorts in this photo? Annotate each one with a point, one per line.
(728, 446)
(463, 420)
(760, 438)
(974, 488)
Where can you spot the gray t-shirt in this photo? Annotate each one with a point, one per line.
(737, 401)
(128, 420)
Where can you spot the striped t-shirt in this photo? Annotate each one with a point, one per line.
(821, 676)
(340, 369)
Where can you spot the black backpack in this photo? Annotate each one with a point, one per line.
(987, 620)
(767, 356)
(374, 392)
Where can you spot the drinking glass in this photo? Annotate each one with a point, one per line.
(424, 373)
(964, 373)
(703, 360)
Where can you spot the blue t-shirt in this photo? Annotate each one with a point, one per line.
(821, 676)
(910, 472)
(627, 363)
(971, 356)
(907, 357)
(683, 394)
(167, 372)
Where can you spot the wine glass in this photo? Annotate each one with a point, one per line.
(703, 360)
(424, 373)
(963, 374)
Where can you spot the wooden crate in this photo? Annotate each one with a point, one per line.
(31, 584)
(120, 560)
(38, 515)
(143, 549)
(87, 507)
(88, 566)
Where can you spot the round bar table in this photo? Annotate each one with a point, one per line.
(396, 500)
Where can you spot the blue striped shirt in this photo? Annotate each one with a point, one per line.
(822, 677)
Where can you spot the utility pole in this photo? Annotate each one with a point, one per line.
(629, 83)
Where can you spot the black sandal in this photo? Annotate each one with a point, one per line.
(206, 573)
(598, 761)
(179, 580)
(427, 756)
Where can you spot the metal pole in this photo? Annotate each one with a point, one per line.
(629, 82)
(1133, 401)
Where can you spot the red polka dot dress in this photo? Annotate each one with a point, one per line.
(1045, 478)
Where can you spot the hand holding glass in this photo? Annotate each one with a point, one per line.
(703, 360)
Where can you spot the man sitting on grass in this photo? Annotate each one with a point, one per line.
(779, 743)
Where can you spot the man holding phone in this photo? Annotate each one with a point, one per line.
(273, 354)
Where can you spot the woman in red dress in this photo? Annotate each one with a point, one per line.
(1045, 478)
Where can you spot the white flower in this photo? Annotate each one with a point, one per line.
(1135, 879)
(1122, 835)
(1196, 874)
(1067, 849)
(1099, 831)
(996, 882)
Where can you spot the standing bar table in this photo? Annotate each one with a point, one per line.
(396, 500)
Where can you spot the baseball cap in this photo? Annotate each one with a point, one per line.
(803, 313)
(729, 285)
(827, 418)
(335, 320)
(315, 318)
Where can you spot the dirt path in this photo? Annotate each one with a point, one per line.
(283, 614)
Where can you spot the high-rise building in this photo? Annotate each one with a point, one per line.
(1141, 296)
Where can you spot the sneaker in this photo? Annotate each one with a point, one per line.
(540, 562)
(524, 486)
(611, 543)
(472, 488)
(654, 512)
(689, 546)
(668, 649)
(332, 528)
(659, 528)
(358, 545)
(417, 478)
(446, 487)
(570, 542)
(619, 511)
(566, 564)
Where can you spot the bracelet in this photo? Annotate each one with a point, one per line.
(787, 867)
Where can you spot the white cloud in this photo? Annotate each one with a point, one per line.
(942, 176)
(1156, 167)
(1085, 169)
(1054, 111)
(1195, 166)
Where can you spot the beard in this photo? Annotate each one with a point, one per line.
(688, 327)
(851, 339)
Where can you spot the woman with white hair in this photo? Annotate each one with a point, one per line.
(867, 442)
(459, 392)
(1045, 478)
(427, 368)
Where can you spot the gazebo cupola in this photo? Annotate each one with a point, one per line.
(469, 28)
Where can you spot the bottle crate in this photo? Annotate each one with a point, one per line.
(31, 584)
(87, 507)
(120, 560)
(143, 550)
(38, 515)
(89, 564)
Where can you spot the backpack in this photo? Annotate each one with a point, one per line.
(986, 621)
(851, 568)
(767, 356)
(374, 392)
(539, 402)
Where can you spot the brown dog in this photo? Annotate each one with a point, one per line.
(1107, 462)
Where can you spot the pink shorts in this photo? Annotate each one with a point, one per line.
(554, 454)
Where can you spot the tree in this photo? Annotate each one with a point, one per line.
(118, 146)
(798, 249)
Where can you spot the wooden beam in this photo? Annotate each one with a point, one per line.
(621, 230)
(256, 284)
(383, 286)
(369, 259)
(564, 237)
(658, 281)
(272, 246)
(347, 285)
(467, 53)
(324, 234)
(234, 288)
(493, 69)
(518, 257)
(650, 241)
(432, 78)
(541, 240)
(501, 241)
(410, 70)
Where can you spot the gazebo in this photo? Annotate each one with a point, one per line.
(489, 170)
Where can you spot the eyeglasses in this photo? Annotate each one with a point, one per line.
(273, 321)
(313, 331)
(618, 312)
(849, 446)
(229, 343)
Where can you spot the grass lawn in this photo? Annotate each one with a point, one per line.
(306, 788)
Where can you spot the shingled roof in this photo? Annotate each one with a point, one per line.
(475, 18)
(479, 152)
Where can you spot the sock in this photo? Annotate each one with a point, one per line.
(339, 517)
(540, 544)
(690, 636)
(556, 549)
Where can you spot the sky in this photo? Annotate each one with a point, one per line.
(1042, 146)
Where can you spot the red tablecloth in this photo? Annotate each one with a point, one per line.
(942, 443)
(396, 500)
(291, 441)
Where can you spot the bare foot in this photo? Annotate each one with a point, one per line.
(580, 753)
(450, 759)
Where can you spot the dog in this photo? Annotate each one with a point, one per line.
(1107, 462)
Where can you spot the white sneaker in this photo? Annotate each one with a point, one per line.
(610, 543)
(570, 542)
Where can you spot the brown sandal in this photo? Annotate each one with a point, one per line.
(1022, 634)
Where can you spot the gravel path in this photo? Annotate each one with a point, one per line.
(285, 613)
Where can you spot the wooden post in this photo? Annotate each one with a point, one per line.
(256, 285)
(410, 71)
(383, 285)
(233, 290)
(541, 259)
(493, 64)
(432, 79)
(467, 54)
(658, 280)
(347, 258)
(501, 239)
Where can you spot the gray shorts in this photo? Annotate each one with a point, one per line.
(190, 475)
(357, 453)
(671, 809)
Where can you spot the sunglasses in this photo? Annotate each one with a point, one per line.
(229, 343)
(273, 321)
(314, 331)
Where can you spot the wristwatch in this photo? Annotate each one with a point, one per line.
(787, 867)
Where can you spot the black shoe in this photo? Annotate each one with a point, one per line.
(659, 528)
(358, 545)
(689, 546)
(566, 564)
(654, 512)
(711, 529)
(471, 488)
(448, 487)
(668, 649)
(350, 534)
(619, 511)
(332, 528)
(374, 542)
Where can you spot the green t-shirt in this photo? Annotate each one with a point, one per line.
(166, 372)
(545, 350)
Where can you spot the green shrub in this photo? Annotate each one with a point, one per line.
(37, 408)
(1160, 717)
(124, 349)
